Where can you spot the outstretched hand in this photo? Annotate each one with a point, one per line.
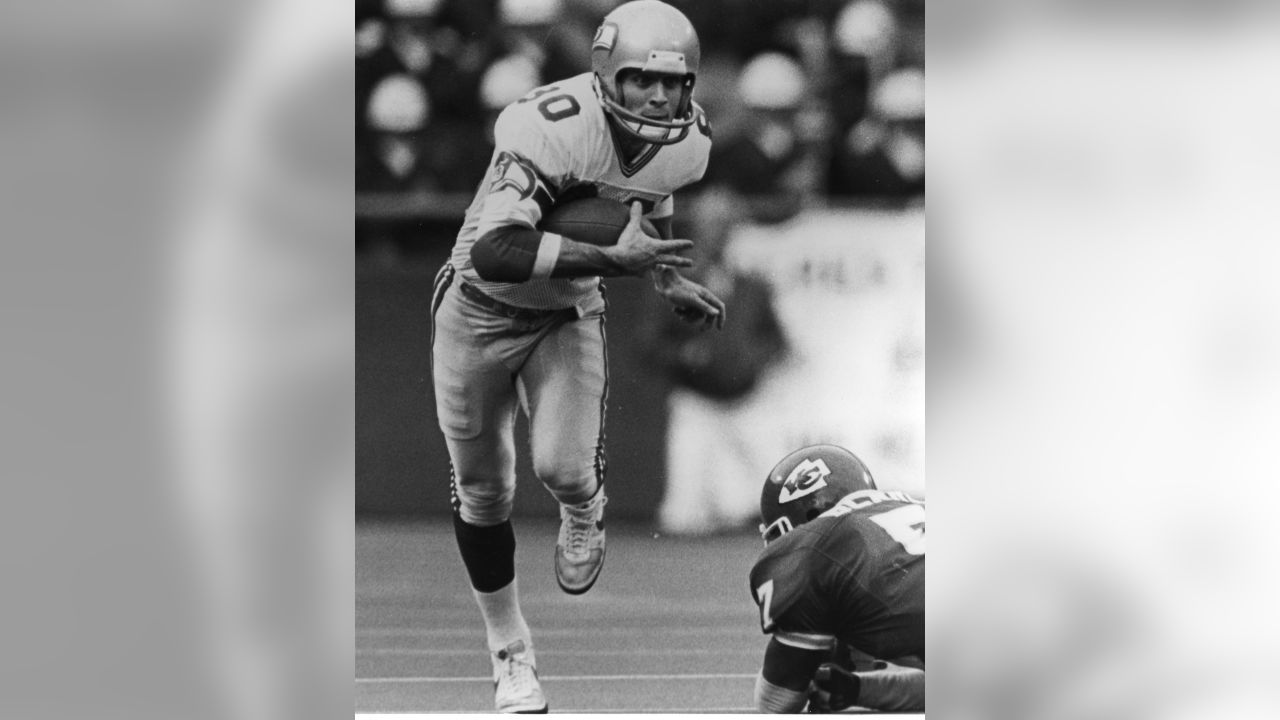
(693, 303)
(636, 252)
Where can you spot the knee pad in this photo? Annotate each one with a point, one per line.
(488, 552)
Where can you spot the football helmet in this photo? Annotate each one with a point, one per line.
(807, 483)
(772, 81)
(652, 36)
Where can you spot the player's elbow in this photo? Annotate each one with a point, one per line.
(492, 260)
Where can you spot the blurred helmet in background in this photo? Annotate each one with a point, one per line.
(398, 104)
(651, 36)
(412, 8)
(864, 27)
(772, 81)
(900, 95)
(807, 483)
(508, 79)
(519, 13)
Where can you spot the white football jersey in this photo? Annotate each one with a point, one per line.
(555, 144)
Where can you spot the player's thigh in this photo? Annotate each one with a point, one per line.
(475, 392)
(564, 382)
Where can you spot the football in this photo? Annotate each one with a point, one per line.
(596, 221)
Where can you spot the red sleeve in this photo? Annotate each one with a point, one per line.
(506, 253)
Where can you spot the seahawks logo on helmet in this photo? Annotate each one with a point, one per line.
(806, 478)
(606, 36)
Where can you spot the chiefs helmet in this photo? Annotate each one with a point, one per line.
(652, 36)
(807, 483)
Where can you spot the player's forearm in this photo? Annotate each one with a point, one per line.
(517, 254)
(576, 259)
(893, 688)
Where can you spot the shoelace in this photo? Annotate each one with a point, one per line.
(579, 528)
(579, 533)
(519, 674)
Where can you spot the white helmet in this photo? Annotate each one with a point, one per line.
(651, 36)
(772, 81)
(398, 104)
(507, 80)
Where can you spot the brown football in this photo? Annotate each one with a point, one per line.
(596, 221)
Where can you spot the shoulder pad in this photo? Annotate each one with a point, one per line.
(546, 127)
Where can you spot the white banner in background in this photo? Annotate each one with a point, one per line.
(850, 291)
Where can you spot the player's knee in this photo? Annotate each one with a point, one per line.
(483, 504)
(569, 480)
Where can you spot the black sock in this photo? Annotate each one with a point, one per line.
(488, 552)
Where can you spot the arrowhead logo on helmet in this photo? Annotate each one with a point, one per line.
(812, 480)
(806, 478)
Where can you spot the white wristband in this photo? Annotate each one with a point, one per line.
(548, 253)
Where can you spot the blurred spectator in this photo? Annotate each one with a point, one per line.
(713, 465)
(867, 29)
(556, 42)
(391, 156)
(861, 52)
(762, 157)
(505, 81)
(749, 27)
(883, 154)
(470, 55)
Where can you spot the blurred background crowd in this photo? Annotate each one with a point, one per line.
(810, 101)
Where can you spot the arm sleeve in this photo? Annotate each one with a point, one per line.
(515, 254)
(511, 253)
(791, 667)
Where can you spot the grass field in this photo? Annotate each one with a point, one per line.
(669, 627)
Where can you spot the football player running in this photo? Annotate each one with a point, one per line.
(518, 314)
(841, 578)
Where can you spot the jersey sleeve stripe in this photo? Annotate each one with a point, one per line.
(806, 641)
(548, 252)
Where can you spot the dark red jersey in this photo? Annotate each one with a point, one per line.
(853, 574)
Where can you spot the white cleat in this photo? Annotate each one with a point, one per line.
(515, 681)
(580, 548)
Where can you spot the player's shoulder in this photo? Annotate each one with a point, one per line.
(702, 122)
(683, 162)
(789, 570)
(788, 555)
(558, 113)
(696, 145)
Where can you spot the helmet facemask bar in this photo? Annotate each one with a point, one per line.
(776, 529)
